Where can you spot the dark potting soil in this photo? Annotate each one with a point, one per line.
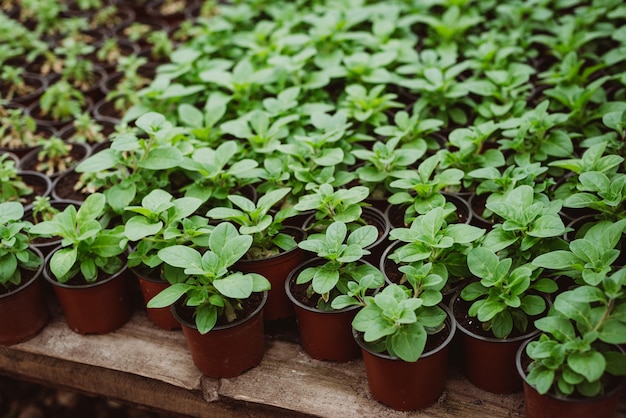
(248, 306)
(472, 324)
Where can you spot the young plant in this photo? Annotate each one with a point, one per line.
(61, 101)
(54, 156)
(161, 221)
(43, 210)
(17, 128)
(342, 272)
(135, 163)
(330, 205)
(89, 250)
(255, 219)
(217, 173)
(577, 353)
(589, 259)
(383, 161)
(503, 299)
(398, 322)
(15, 254)
(12, 187)
(531, 224)
(211, 287)
(430, 239)
(422, 188)
(602, 193)
(87, 130)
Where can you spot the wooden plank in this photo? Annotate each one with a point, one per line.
(147, 366)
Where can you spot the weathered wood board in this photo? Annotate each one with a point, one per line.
(150, 367)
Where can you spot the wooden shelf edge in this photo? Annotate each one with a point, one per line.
(144, 365)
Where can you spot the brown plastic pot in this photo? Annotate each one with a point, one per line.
(23, 311)
(226, 350)
(94, 308)
(276, 269)
(551, 405)
(151, 285)
(324, 335)
(407, 386)
(489, 362)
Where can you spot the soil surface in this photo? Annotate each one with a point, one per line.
(19, 399)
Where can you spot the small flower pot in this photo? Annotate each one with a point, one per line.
(151, 285)
(94, 308)
(408, 386)
(324, 335)
(23, 310)
(488, 362)
(227, 350)
(551, 405)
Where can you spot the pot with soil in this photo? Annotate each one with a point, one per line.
(88, 271)
(55, 157)
(328, 290)
(550, 405)
(23, 307)
(229, 348)
(488, 362)
(405, 373)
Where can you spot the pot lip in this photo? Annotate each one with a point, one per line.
(527, 335)
(48, 275)
(522, 373)
(453, 327)
(292, 277)
(37, 273)
(295, 229)
(239, 321)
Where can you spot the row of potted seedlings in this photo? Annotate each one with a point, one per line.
(438, 186)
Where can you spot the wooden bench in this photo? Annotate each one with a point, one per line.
(144, 365)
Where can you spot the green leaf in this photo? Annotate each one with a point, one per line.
(590, 364)
(556, 260)
(613, 332)
(62, 262)
(181, 256)
(325, 280)
(408, 342)
(206, 318)
(162, 158)
(139, 227)
(541, 378)
(168, 296)
(235, 285)
(482, 262)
